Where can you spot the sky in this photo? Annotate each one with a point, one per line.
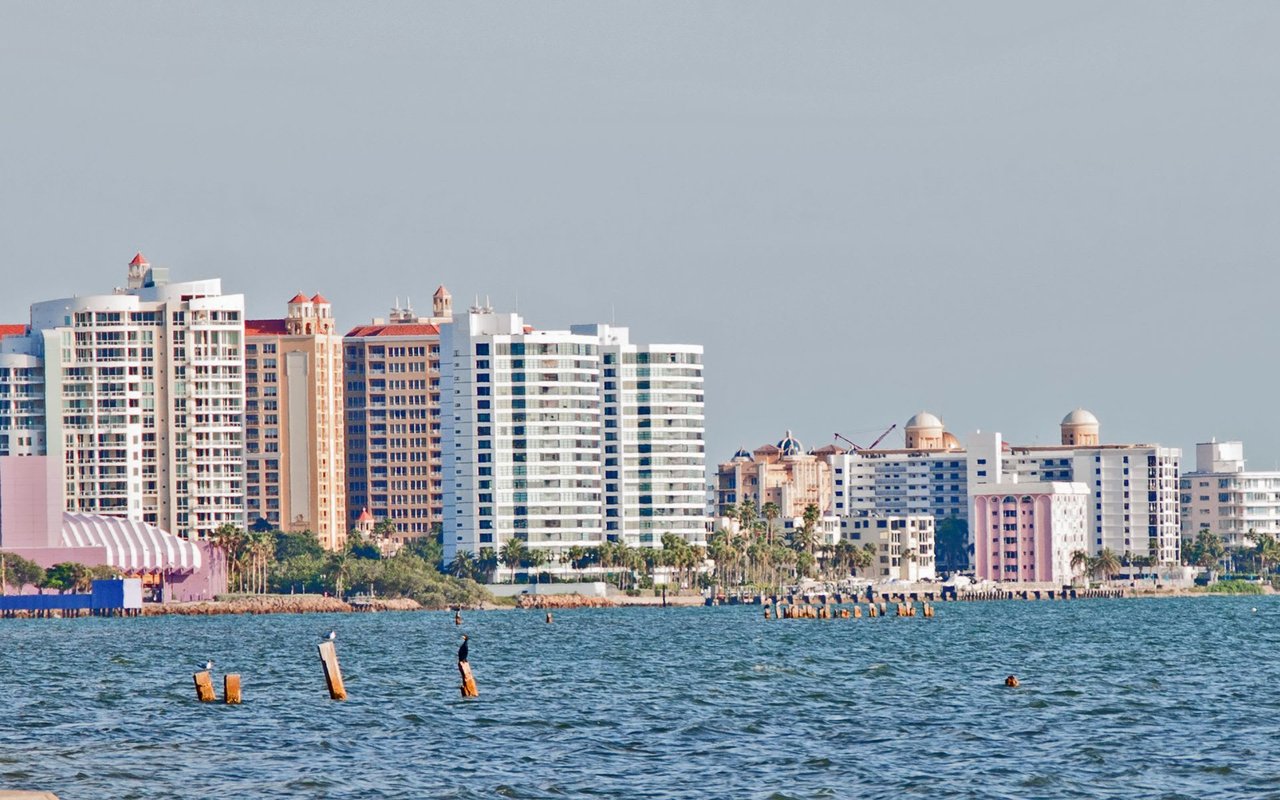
(995, 211)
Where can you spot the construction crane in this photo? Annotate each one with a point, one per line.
(878, 440)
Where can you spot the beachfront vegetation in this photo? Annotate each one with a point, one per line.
(17, 572)
(287, 563)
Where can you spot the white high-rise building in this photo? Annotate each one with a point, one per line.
(654, 455)
(567, 438)
(1222, 497)
(143, 400)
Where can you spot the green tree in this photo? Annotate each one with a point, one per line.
(1081, 563)
(1266, 549)
(952, 539)
(67, 576)
(1106, 564)
(512, 555)
(17, 572)
(462, 565)
(289, 545)
(771, 512)
(487, 563)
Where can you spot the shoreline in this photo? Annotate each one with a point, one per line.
(318, 604)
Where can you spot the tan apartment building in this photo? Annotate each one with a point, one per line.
(294, 445)
(392, 385)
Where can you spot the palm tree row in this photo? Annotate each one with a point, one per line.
(248, 555)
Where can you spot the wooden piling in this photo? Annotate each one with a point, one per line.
(857, 612)
(457, 618)
(204, 686)
(231, 689)
(468, 680)
(872, 610)
(548, 617)
(332, 673)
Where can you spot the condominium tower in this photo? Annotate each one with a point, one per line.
(141, 400)
(1222, 497)
(392, 407)
(568, 438)
(295, 478)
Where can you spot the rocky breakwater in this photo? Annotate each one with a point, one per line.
(552, 601)
(256, 604)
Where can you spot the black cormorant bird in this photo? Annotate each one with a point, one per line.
(462, 651)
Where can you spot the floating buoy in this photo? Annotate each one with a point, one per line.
(1011, 681)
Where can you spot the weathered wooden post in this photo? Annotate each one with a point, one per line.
(231, 688)
(548, 617)
(204, 687)
(332, 673)
(469, 688)
(857, 612)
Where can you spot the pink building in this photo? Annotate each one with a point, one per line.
(1026, 532)
(34, 526)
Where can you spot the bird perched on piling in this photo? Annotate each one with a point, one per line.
(208, 665)
(462, 651)
(457, 618)
(332, 635)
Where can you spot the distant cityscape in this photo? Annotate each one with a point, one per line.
(157, 414)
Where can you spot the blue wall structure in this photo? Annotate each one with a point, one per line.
(107, 598)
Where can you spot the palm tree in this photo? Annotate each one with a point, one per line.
(1266, 548)
(1080, 563)
(512, 554)
(747, 514)
(811, 516)
(462, 566)
(771, 513)
(487, 563)
(1106, 564)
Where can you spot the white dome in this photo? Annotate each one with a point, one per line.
(1080, 417)
(924, 420)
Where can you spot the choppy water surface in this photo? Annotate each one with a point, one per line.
(1161, 698)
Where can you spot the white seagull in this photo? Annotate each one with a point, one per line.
(208, 665)
(332, 635)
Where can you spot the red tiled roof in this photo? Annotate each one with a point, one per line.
(442, 292)
(319, 298)
(12, 330)
(139, 260)
(400, 329)
(300, 298)
(264, 327)
(365, 516)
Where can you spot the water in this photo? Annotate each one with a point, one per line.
(1168, 698)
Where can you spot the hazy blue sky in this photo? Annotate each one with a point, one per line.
(994, 211)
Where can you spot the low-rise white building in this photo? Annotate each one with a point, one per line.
(904, 544)
(1222, 497)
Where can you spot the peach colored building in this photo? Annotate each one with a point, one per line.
(295, 464)
(783, 474)
(392, 383)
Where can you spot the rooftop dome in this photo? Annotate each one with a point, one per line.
(924, 420)
(949, 441)
(790, 445)
(1080, 417)
(743, 454)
